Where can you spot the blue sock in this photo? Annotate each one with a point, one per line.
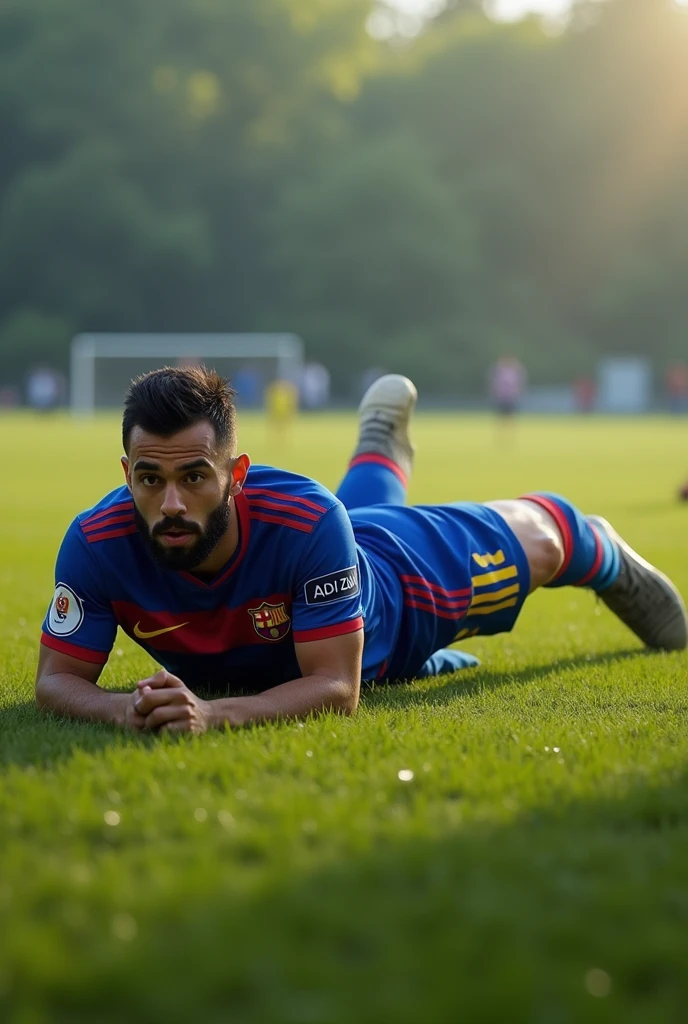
(372, 480)
(591, 559)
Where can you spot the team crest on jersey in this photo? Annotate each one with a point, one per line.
(66, 611)
(270, 621)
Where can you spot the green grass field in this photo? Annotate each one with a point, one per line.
(534, 869)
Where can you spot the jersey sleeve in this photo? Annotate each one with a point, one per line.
(327, 599)
(80, 621)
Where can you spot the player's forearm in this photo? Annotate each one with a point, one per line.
(72, 697)
(295, 699)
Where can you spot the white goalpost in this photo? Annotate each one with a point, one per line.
(101, 365)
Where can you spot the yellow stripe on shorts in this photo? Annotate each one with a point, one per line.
(486, 560)
(496, 595)
(489, 608)
(488, 578)
(463, 633)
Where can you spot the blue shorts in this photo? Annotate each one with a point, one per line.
(447, 572)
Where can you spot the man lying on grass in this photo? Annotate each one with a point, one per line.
(238, 578)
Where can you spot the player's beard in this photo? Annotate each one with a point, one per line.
(183, 558)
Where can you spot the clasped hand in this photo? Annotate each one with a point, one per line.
(163, 703)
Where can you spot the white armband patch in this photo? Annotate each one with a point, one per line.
(66, 611)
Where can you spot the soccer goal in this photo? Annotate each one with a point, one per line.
(102, 365)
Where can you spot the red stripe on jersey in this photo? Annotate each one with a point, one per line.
(439, 612)
(279, 506)
(280, 496)
(420, 581)
(124, 506)
(304, 636)
(73, 650)
(215, 631)
(110, 534)
(281, 521)
(445, 602)
(112, 521)
(380, 460)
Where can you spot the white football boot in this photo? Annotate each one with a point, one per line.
(384, 417)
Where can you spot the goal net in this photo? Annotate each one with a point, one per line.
(102, 365)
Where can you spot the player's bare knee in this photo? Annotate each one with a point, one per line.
(549, 555)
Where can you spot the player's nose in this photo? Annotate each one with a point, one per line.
(172, 504)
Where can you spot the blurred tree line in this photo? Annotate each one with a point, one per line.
(423, 204)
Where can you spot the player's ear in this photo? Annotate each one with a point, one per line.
(240, 467)
(125, 466)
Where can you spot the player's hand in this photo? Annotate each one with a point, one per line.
(131, 719)
(167, 705)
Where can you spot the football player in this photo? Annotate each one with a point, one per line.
(261, 585)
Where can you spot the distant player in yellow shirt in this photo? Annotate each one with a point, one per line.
(281, 405)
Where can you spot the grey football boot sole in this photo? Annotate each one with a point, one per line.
(384, 417)
(644, 598)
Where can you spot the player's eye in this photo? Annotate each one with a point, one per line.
(194, 478)
(148, 480)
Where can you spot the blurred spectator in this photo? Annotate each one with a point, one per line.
(676, 383)
(9, 397)
(585, 393)
(44, 389)
(248, 384)
(281, 404)
(507, 384)
(315, 386)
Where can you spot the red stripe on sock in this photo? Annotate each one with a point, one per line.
(563, 524)
(380, 460)
(599, 557)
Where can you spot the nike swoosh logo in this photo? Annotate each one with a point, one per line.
(155, 632)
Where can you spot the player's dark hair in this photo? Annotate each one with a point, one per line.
(166, 401)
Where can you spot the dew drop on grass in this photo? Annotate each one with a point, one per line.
(124, 927)
(405, 775)
(225, 818)
(555, 749)
(200, 814)
(309, 753)
(597, 983)
(111, 818)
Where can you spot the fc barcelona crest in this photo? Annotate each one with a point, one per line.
(270, 621)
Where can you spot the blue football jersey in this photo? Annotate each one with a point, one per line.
(305, 569)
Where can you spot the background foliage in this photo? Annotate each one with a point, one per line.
(423, 204)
